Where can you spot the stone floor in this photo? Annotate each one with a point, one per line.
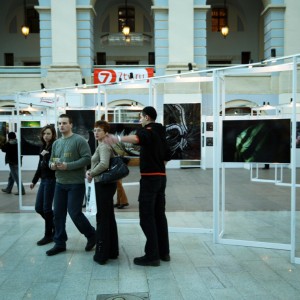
(199, 268)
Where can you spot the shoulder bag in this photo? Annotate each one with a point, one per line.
(117, 170)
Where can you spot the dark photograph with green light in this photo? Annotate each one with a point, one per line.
(257, 141)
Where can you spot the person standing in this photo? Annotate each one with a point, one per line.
(44, 197)
(107, 246)
(122, 199)
(69, 158)
(154, 153)
(11, 158)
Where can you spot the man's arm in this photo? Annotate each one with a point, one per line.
(112, 139)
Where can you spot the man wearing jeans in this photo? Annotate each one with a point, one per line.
(11, 158)
(154, 154)
(69, 158)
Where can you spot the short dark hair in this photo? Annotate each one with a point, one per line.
(150, 112)
(67, 116)
(51, 127)
(103, 125)
(11, 136)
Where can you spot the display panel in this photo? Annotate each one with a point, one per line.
(30, 141)
(183, 122)
(2, 133)
(260, 141)
(83, 124)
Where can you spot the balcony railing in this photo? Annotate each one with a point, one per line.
(20, 70)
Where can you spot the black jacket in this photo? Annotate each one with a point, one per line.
(43, 171)
(11, 150)
(154, 149)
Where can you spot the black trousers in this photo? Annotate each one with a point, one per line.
(106, 232)
(153, 221)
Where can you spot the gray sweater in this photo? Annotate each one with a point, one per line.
(76, 153)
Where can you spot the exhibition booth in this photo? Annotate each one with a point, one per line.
(192, 106)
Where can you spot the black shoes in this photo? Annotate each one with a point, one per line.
(17, 194)
(144, 261)
(121, 206)
(45, 240)
(55, 250)
(165, 257)
(6, 191)
(91, 242)
(99, 261)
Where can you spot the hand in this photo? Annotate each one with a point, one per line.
(32, 186)
(44, 152)
(88, 176)
(61, 166)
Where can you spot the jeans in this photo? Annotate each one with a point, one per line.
(69, 198)
(153, 221)
(14, 177)
(44, 197)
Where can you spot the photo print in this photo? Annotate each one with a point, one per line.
(257, 141)
(183, 126)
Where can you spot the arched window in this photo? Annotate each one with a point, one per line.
(218, 18)
(126, 17)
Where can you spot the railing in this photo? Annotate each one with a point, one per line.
(20, 70)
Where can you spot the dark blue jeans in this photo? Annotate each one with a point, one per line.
(14, 177)
(69, 198)
(44, 197)
(153, 221)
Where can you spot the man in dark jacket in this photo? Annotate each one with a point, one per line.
(154, 154)
(11, 158)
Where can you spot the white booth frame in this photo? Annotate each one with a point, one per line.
(219, 169)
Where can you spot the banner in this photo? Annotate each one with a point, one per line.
(122, 74)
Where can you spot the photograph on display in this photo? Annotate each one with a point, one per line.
(209, 126)
(83, 124)
(3, 132)
(30, 141)
(209, 141)
(30, 124)
(183, 126)
(123, 129)
(257, 141)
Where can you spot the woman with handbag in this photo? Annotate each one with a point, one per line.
(107, 245)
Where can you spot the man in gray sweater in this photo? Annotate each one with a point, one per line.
(69, 158)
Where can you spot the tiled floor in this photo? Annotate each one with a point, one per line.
(199, 268)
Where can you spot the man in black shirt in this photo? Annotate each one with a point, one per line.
(154, 154)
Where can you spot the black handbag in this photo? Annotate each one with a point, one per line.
(117, 170)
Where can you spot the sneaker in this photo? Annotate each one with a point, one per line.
(91, 242)
(165, 257)
(6, 191)
(144, 261)
(45, 240)
(55, 250)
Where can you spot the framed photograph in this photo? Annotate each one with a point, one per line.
(258, 141)
(183, 126)
(31, 124)
(30, 141)
(209, 142)
(209, 126)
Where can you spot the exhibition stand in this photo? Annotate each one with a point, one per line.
(164, 93)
